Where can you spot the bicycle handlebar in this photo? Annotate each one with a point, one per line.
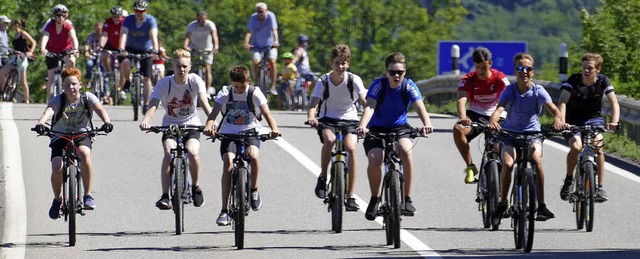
(50, 133)
(175, 128)
(413, 133)
(242, 136)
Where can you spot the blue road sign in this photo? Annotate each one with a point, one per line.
(502, 52)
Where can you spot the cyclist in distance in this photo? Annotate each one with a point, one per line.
(23, 42)
(110, 41)
(301, 59)
(288, 73)
(523, 102)
(158, 60)
(388, 101)
(202, 35)
(581, 104)
(237, 117)
(74, 117)
(139, 33)
(262, 33)
(339, 107)
(179, 95)
(4, 39)
(92, 44)
(58, 36)
(482, 89)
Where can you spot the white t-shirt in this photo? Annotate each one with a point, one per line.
(179, 101)
(201, 36)
(239, 118)
(339, 105)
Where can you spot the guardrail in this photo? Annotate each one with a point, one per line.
(442, 89)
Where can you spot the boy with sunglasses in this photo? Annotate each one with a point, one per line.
(523, 102)
(388, 101)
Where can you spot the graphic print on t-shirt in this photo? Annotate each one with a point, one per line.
(239, 113)
(180, 107)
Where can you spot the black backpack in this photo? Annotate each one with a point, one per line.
(325, 93)
(385, 84)
(252, 108)
(63, 102)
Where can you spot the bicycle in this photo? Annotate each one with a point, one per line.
(71, 177)
(137, 84)
(112, 79)
(337, 195)
(180, 191)
(13, 77)
(97, 78)
(241, 181)
(584, 186)
(57, 73)
(393, 200)
(488, 188)
(264, 71)
(523, 191)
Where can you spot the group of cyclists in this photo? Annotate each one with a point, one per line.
(513, 107)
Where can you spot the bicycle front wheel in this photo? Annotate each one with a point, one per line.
(178, 173)
(11, 86)
(240, 202)
(72, 201)
(337, 199)
(528, 210)
(590, 193)
(493, 176)
(395, 203)
(579, 203)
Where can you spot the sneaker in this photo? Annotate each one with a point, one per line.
(471, 172)
(223, 219)
(198, 200)
(499, 213)
(273, 91)
(127, 87)
(89, 203)
(351, 205)
(372, 209)
(256, 201)
(409, 210)
(54, 211)
(565, 192)
(211, 91)
(163, 203)
(321, 187)
(544, 213)
(601, 195)
(123, 95)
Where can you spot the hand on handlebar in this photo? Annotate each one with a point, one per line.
(464, 122)
(494, 126)
(210, 130)
(274, 134)
(313, 122)
(144, 126)
(361, 132)
(247, 46)
(40, 129)
(613, 127)
(107, 127)
(426, 130)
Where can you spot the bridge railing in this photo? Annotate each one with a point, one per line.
(442, 89)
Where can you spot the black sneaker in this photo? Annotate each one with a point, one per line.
(544, 213)
(601, 195)
(127, 87)
(351, 205)
(321, 187)
(499, 213)
(163, 203)
(409, 210)
(54, 211)
(198, 200)
(256, 201)
(372, 209)
(565, 192)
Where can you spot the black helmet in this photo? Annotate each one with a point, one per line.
(116, 10)
(303, 38)
(140, 5)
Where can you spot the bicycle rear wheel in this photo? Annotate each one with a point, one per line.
(11, 86)
(135, 96)
(395, 206)
(72, 201)
(493, 175)
(241, 199)
(528, 209)
(590, 193)
(337, 196)
(178, 173)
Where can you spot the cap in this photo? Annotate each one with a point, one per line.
(287, 55)
(3, 18)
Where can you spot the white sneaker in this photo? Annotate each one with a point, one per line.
(212, 91)
(123, 95)
(223, 219)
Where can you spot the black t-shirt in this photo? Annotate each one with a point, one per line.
(586, 101)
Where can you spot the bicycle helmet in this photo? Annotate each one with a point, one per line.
(287, 55)
(116, 10)
(60, 9)
(140, 5)
(303, 38)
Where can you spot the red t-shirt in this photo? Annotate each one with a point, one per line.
(483, 95)
(58, 42)
(113, 32)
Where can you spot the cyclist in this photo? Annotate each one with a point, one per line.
(393, 94)
(23, 42)
(482, 88)
(288, 73)
(139, 33)
(179, 95)
(301, 59)
(338, 108)
(77, 118)
(110, 41)
(239, 117)
(92, 44)
(581, 104)
(263, 32)
(523, 102)
(202, 35)
(58, 36)
(158, 60)
(4, 39)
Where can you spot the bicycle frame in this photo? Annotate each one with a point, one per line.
(97, 79)
(264, 70)
(138, 79)
(57, 79)
(13, 77)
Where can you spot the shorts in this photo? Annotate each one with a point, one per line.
(351, 125)
(22, 63)
(228, 146)
(592, 122)
(514, 141)
(371, 142)
(57, 146)
(146, 65)
(257, 55)
(190, 134)
(52, 62)
(309, 77)
(475, 117)
(206, 58)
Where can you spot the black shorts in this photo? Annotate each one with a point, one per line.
(52, 62)
(351, 125)
(475, 117)
(146, 65)
(57, 146)
(189, 134)
(371, 142)
(227, 145)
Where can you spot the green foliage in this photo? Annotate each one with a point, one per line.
(622, 146)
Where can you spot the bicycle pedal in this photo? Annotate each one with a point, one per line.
(408, 213)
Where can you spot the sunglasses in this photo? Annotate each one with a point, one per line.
(60, 15)
(395, 72)
(524, 69)
(139, 11)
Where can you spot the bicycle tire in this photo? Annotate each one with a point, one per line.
(178, 186)
(115, 84)
(590, 193)
(262, 81)
(396, 207)
(337, 200)
(386, 211)
(241, 200)
(11, 86)
(529, 209)
(579, 202)
(72, 201)
(493, 175)
(516, 211)
(482, 195)
(135, 96)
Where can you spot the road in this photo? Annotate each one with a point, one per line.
(293, 223)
